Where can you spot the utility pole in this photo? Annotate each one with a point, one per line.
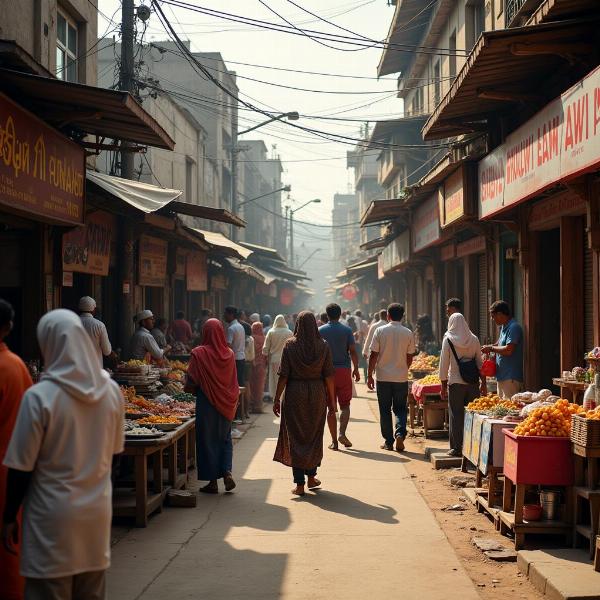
(126, 236)
(291, 238)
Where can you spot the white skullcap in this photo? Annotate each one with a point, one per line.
(87, 304)
(254, 317)
(143, 314)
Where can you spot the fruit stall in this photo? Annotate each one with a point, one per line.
(159, 433)
(424, 398)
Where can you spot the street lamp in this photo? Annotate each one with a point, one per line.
(290, 116)
(293, 211)
(285, 188)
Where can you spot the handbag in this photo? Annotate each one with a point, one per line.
(467, 367)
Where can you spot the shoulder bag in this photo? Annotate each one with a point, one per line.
(467, 367)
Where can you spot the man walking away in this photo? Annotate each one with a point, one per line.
(392, 351)
(96, 329)
(459, 344)
(508, 351)
(341, 342)
(236, 340)
(380, 321)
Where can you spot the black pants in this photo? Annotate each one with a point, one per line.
(459, 395)
(392, 398)
(240, 367)
(300, 473)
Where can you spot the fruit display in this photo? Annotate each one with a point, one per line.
(550, 421)
(183, 397)
(432, 379)
(134, 363)
(493, 402)
(424, 362)
(594, 415)
(157, 419)
(595, 353)
(178, 365)
(173, 388)
(175, 376)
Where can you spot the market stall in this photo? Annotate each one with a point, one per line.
(425, 396)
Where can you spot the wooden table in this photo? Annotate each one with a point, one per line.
(575, 388)
(178, 447)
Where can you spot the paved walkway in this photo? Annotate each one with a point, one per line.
(366, 534)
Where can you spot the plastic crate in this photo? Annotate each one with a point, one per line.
(538, 460)
(585, 432)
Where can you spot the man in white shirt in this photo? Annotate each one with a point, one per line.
(143, 342)
(96, 329)
(236, 340)
(382, 320)
(392, 351)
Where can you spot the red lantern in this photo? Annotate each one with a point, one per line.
(286, 297)
(349, 292)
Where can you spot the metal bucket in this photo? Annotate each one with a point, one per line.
(550, 501)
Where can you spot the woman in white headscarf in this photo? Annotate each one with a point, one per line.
(59, 459)
(460, 340)
(273, 347)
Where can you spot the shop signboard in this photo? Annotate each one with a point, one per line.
(152, 268)
(41, 171)
(555, 207)
(452, 201)
(560, 141)
(196, 272)
(426, 226)
(396, 253)
(87, 249)
(448, 252)
(218, 282)
(475, 245)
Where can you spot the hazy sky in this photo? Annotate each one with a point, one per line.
(314, 167)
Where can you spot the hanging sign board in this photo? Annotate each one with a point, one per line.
(426, 224)
(152, 261)
(452, 202)
(559, 142)
(87, 249)
(41, 171)
(196, 273)
(396, 253)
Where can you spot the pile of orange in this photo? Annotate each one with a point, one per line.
(592, 414)
(489, 402)
(549, 421)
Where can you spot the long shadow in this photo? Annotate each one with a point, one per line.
(415, 456)
(351, 507)
(388, 456)
(353, 420)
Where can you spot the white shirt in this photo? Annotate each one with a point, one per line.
(393, 342)
(373, 327)
(274, 343)
(97, 331)
(143, 342)
(236, 338)
(448, 366)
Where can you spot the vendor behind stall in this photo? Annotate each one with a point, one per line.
(142, 341)
(180, 329)
(159, 332)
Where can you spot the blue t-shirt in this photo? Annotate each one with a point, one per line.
(340, 338)
(510, 367)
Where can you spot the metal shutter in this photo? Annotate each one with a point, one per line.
(482, 297)
(588, 297)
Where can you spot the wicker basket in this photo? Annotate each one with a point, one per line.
(585, 432)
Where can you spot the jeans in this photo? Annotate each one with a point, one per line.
(459, 395)
(300, 473)
(240, 367)
(392, 397)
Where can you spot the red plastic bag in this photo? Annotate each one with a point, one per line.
(488, 368)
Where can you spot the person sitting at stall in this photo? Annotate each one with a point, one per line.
(159, 332)
(424, 338)
(142, 341)
(180, 329)
(96, 329)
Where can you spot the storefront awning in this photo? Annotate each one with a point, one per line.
(505, 68)
(380, 211)
(364, 267)
(87, 109)
(289, 272)
(378, 242)
(407, 129)
(271, 253)
(266, 275)
(224, 244)
(246, 269)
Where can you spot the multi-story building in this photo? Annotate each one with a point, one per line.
(346, 240)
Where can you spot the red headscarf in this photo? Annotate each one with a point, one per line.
(212, 367)
(259, 342)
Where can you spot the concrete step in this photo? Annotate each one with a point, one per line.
(439, 460)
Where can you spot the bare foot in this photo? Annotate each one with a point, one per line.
(345, 441)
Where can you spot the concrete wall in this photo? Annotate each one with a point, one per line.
(32, 25)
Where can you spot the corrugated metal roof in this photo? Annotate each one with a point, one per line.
(218, 240)
(380, 211)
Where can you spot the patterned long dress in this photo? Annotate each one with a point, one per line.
(303, 409)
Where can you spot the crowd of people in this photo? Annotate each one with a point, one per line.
(58, 436)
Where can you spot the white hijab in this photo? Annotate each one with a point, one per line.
(70, 360)
(459, 333)
(280, 323)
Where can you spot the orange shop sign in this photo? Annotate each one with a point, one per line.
(452, 203)
(560, 141)
(41, 171)
(87, 249)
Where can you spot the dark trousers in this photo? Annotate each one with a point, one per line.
(240, 367)
(300, 473)
(392, 398)
(459, 395)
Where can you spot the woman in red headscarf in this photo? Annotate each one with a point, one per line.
(307, 376)
(212, 377)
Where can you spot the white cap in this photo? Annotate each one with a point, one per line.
(143, 314)
(87, 304)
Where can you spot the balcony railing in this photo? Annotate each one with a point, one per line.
(519, 8)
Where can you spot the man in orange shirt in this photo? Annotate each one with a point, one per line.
(14, 380)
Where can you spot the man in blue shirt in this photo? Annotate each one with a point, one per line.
(341, 342)
(508, 351)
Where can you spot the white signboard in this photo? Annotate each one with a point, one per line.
(426, 224)
(560, 141)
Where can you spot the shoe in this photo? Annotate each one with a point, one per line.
(453, 453)
(237, 421)
(345, 441)
(229, 483)
(399, 444)
(386, 447)
(236, 434)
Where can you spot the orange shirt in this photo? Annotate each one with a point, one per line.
(14, 380)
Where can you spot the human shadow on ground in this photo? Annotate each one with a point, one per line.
(354, 420)
(383, 456)
(351, 507)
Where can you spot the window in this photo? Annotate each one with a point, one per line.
(452, 55)
(474, 21)
(66, 48)
(437, 84)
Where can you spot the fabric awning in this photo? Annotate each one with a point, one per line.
(85, 108)
(210, 213)
(246, 269)
(380, 211)
(505, 68)
(224, 244)
(266, 275)
(271, 253)
(288, 272)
